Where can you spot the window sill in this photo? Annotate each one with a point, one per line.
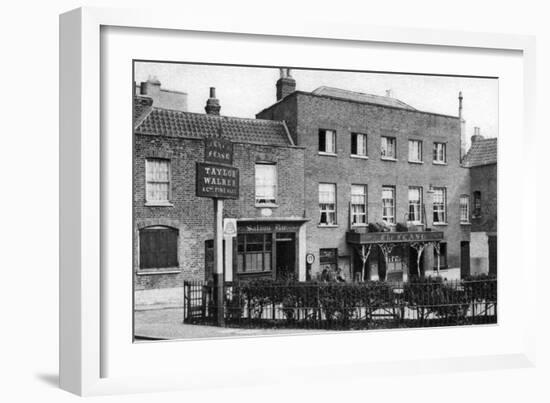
(359, 157)
(416, 162)
(327, 225)
(359, 225)
(147, 272)
(327, 154)
(440, 224)
(465, 223)
(388, 159)
(266, 205)
(439, 163)
(159, 204)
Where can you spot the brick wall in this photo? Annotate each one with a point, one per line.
(193, 216)
(484, 180)
(306, 114)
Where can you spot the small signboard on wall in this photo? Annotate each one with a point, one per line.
(218, 150)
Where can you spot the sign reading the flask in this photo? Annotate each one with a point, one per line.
(218, 151)
(217, 181)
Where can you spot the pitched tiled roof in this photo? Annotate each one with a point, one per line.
(361, 97)
(142, 105)
(166, 122)
(482, 152)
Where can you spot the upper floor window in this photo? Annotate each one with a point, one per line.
(358, 204)
(388, 204)
(415, 151)
(464, 208)
(327, 141)
(440, 205)
(440, 153)
(266, 183)
(158, 248)
(157, 174)
(327, 203)
(415, 205)
(477, 204)
(388, 149)
(359, 144)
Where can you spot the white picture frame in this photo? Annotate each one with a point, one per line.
(83, 343)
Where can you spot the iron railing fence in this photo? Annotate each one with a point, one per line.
(423, 303)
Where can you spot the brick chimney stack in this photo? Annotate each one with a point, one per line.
(477, 135)
(285, 84)
(151, 89)
(213, 104)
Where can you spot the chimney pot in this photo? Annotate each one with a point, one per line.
(477, 135)
(212, 104)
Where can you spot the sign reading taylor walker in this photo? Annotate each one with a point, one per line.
(217, 181)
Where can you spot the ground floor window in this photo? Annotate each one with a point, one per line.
(328, 260)
(442, 256)
(158, 247)
(254, 253)
(395, 260)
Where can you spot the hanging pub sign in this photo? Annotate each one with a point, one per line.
(218, 150)
(217, 181)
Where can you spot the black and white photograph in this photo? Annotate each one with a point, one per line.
(282, 200)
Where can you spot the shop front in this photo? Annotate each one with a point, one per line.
(268, 249)
(391, 256)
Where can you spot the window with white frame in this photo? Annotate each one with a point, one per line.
(388, 147)
(415, 204)
(327, 141)
(415, 151)
(157, 174)
(464, 209)
(440, 153)
(327, 203)
(440, 205)
(359, 144)
(358, 204)
(266, 183)
(388, 204)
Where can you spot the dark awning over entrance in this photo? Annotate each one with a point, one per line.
(357, 238)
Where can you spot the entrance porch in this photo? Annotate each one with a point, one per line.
(397, 256)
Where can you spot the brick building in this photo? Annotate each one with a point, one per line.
(482, 161)
(173, 229)
(161, 97)
(384, 183)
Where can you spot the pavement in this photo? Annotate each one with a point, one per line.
(167, 324)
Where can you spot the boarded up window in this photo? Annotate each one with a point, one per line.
(158, 247)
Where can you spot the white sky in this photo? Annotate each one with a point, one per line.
(244, 91)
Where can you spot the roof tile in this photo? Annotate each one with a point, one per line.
(165, 122)
(482, 152)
